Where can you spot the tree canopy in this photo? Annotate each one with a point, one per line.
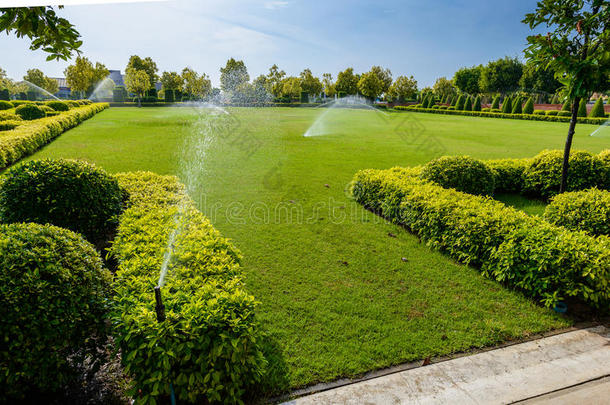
(402, 89)
(347, 82)
(233, 75)
(83, 75)
(501, 76)
(467, 79)
(147, 65)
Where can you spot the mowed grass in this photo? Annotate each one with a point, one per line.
(342, 291)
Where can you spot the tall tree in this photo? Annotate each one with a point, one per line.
(233, 75)
(371, 85)
(48, 31)
(443, 87)
(147, 65)
(274, 80)
(328, 85)
(291, 86)
(385, 75)
(309, 83)
(347, 82)
(403, 89)
(577, 48)
(501, 76)
(536, 80)
(195, 85)
(38, 78)
(171, 81)
(467, 79)
(83, 75)
(137, 82)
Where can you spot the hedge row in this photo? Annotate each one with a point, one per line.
(545, 261)
(30, 136)
(208, 347)
(587, 211)
(532, 117)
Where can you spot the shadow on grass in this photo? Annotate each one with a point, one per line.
(275, 381)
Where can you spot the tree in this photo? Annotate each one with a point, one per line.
(147, 65)
(310, 83)
(370, 85)
(598, 109)
(507, 105)
(459, 105)
(467, 79)
(328, 85)
(538, 80)
(385, 75)
(274, 80)
(291, 87)
(137, 82)
(82, 76)
(403, 89)
(38, 78)
(517, 106)
(195, 85)
(171, 81)
(577, 48)
(566, 106)
(55, 35)
(233, 75)
(501, 75)
(495, 104)
(468, 104)
(443, 87)
(347, 82)
(529, 106)
(582, 108)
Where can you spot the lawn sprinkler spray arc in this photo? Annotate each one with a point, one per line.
(160, 310)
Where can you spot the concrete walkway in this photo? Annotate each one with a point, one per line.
(538, 372)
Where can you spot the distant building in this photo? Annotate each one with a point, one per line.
(64, 89)
(116, 77)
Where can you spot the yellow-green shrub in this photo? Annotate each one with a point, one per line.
(208, 347)
(462, 173)
(587, 211)
(29, 137)
(508, 174)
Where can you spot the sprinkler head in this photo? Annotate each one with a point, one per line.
(159, 308)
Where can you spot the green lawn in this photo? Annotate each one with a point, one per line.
(342, 291)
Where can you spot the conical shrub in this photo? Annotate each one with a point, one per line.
(528, 108)
(496, 103)
(517, 107)
(598, 109)
(459, 105)
(582, 108)
(566, 106)
(507, 105)
(477, 104)
(468, 104)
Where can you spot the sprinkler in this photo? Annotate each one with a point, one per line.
(159, 308)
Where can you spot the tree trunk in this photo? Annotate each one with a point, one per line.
(566, 151)
(139, 102)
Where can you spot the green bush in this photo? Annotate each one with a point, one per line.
(30, 112)
(31, 135)
(582, 108)
(496, 110)
(58, 105)
(208, 348)
(462, 173)
(598, 109)
(71, 194)
(587, 211)
(451, 108)
(552, 112)
(566, 106)
(4, 94)
(516, 106)
(46, 108)
(468, 104)
(459, 105)
(486, 109)
(495, 104)
(507, 106)
(545, 261)
(17, 103)
(543, 176)
(477, 104)
(528, 108)
(564, 113)
(5, 105)
(119, 94)
(169, 96)
(9, 124)
(604, 155)
(539, 112)
(54, 293)
(508, 174)
(72, 103)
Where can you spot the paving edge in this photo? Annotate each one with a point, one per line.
(342, 382)
(525, 400)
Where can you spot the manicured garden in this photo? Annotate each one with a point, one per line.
(340, 290)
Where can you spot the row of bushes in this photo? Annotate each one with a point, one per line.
(497, 114)
(29, 137)
(587, 211)
(545, 261)
(208, 348)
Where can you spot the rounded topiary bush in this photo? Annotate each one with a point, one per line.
(462, 173)
(542, 177)
(30, 112)
(67, 193)
(72, 104)
(58, 105)
(587, 210)
(5, 105)
(54, 293)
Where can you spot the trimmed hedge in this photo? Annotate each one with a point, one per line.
(543, 176)
(587, 211)
(508, 174)
(497, 114)
(9, 124)
(29, 137)
(54, 295)
(5, 105)
(30, 112)
(462, 173)
(543, 260)
(72, 194)
(208, 348)
(58, 105)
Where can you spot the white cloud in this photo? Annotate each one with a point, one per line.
(272, 5)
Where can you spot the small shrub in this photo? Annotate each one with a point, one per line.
(495, 103)
(4, 94)
(462, 173)
(58, 105)
(46, 108)
(468, 104)
(5, 105)
(496, 110)
(507, 106)
(598, 109)
(169, 96)
(539, 112)
(508, 174)
(73, 104)
(461, 101)
(486, 109)
(552, 112)
(516, 106)
(17, 103)
(451, 108)
(528, 108)
(587, 211)
(67, 193)
(54, 293)
(477, 104)
(566, 106)
(543, 176)
(582, 108)
(8, 125)
(30, 112)
(564, 113)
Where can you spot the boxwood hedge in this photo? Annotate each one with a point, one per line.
(462, 173)
(587, 210)
(545, 261)
(30, 136)
(208, 347)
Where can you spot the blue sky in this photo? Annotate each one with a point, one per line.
(426, 39)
